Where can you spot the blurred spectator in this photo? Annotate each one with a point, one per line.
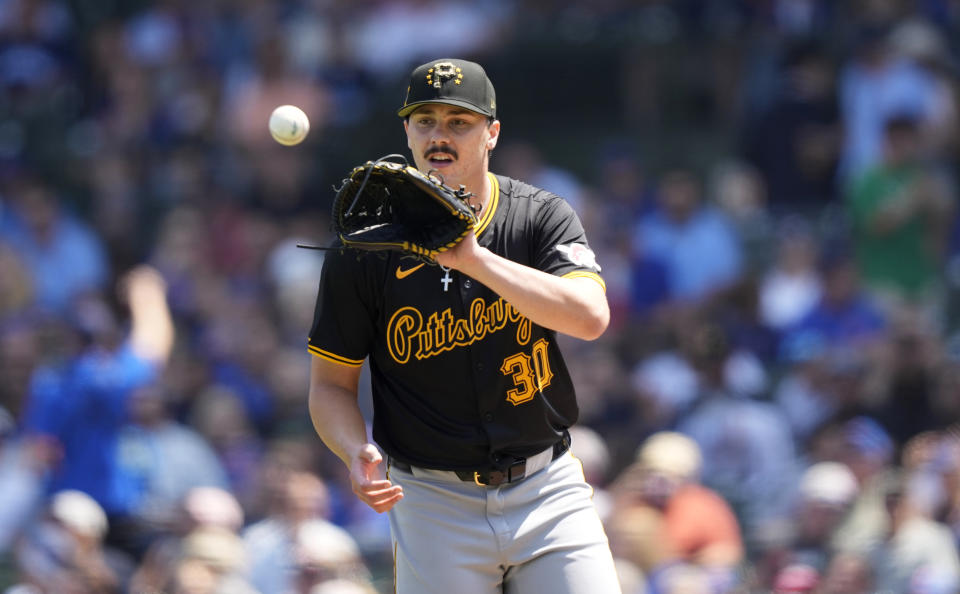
(389, 37)
(808, 389)
(83, 405)
(666, 385)
(790, 286)
(748, 452)
(695, 241)
(212, 562)
(65, 551)
(20, 346)
(278, 177)
(524, 160)
(649, 279)
(624, 193)
(686, 523)
(64, 257)
(24, 465)
(826, 493)
(159, 461)
(795, 142)
(295, 543)
(918, 553)
(848, 573)
(292, 273)
(906, 402)
(202, 509)
(753, 343)
(16, 283)
(921, 42)
(901, 212)
(844, 316)
(875, 85)
(219, 416)
(270, 82)
(324, 552)
(740, 193)
(861, 444)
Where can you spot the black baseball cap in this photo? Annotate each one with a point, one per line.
(451, 81)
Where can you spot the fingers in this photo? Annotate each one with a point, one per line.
(369, 482)
(381, 496)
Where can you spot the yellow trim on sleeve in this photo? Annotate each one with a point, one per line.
(584, 274)
(334, 358)
(492, 208)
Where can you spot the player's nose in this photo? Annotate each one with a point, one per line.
(439, 136)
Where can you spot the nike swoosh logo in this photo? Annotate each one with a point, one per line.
(405, 273)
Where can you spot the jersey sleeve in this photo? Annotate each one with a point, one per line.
(561, 247)
(343, 319)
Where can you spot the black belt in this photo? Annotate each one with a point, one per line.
(495, 477)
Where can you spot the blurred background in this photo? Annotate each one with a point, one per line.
(770, 187)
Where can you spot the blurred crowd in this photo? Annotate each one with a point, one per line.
(770, 187)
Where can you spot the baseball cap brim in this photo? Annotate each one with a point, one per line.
(408, 109)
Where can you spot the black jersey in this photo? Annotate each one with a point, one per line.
(459, 377)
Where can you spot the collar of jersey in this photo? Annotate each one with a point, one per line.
(494, 201)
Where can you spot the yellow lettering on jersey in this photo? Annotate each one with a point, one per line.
(405, 321)
(408, 334)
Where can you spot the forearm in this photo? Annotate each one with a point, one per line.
(337, 420)
(152, 331)
(576, 307)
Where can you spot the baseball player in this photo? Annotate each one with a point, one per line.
(472, 399)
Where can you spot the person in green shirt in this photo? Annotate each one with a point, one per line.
(901, 211)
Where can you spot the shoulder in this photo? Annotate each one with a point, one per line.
(536, 203)
(515, 189)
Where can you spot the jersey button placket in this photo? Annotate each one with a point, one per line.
(488, 417)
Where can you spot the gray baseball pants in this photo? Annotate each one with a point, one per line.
(541, 534)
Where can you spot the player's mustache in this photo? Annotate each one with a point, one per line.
(439, 149)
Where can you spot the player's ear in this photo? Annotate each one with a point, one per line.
(406, 129)
(494, 130)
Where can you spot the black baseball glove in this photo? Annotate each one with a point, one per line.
(384, 205)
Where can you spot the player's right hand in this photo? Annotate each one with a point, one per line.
(369, 480)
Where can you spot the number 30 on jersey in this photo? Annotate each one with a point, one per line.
(531, 373)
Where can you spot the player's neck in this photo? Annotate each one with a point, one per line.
(481, 189)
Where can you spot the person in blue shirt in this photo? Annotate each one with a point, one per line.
(63, 256)
(695, 242)
(82, 404)
(844, 316)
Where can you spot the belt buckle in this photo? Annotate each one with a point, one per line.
(495, 478)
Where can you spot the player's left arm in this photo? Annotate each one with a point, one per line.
(572, 304)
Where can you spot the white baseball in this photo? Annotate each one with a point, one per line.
(289, 125)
